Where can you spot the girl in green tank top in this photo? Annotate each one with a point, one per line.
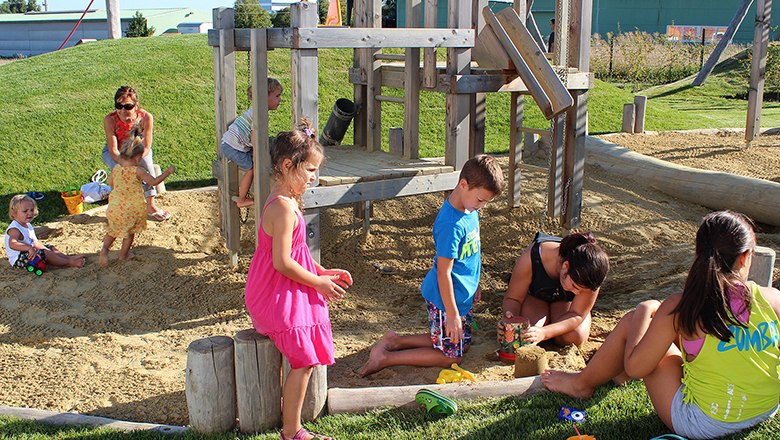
(731, 380)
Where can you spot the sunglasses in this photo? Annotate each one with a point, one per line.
(119, 105)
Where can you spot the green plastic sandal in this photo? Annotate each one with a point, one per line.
(435, 402)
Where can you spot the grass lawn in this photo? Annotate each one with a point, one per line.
(614, 413)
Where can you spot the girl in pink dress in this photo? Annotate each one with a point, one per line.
(286, 290)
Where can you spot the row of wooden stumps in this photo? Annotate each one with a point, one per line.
(634, 115)
(242, 377)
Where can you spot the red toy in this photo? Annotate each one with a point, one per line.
(37, 265)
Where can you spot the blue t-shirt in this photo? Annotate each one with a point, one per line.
(456, 236)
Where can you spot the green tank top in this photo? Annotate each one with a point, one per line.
(739, 379)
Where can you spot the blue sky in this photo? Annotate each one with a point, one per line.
(66, 5)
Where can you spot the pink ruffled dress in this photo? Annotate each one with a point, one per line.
(293, 315)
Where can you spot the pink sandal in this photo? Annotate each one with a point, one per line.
(301, 435)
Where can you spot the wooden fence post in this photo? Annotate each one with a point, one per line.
(640, 104)
(761, 268)
(628, 118)
(316, 392)
(210, 384)
(258, 382)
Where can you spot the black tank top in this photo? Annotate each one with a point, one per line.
(542, 286)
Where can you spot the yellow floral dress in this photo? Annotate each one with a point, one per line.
(126, 212)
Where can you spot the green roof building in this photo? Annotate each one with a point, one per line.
(35, 33)
(681, 20)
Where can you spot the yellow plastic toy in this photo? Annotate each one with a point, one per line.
(447, 376)
(465, 374)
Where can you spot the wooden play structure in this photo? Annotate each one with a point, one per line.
(761, 39)
(486, 52)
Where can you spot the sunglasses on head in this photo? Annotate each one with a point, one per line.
(119, 105)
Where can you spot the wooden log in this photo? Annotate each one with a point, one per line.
(396, 139)
(629, 115)
(762, 266)
(516, 108)
(258, 382)
(713, 189)
(316, 392)
(640, 104)
(64, 418)
(356, 400)
(210, 384)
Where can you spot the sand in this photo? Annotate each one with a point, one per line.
(112, 342)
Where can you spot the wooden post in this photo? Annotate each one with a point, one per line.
(210, 384)
(758, 69)
(640, 103)
(577, 115)
(160, 186)
(561, 49)
(516, 105)
(725, 40)
(114, 18)
(458, 107)
(261, 158)
(220, 124)
(412, 85)
(360, 93)
(555, 180)
(629, 113)
(228, 169)
(396, 139)
(477, 101)
(762, 266)
(373, 69)
(429, 53)
(258, 382)
(316, 393)
(304, 91)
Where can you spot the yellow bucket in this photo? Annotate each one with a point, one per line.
(74, 203)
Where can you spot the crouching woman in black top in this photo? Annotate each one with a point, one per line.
(554, 285)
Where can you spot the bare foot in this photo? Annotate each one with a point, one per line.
(243, 203)
(376, 359)
(103, 261)
(565, 383)
(621, 378)
(79, 260)
(130, 255)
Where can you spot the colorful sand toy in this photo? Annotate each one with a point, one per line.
(435, 403)
(37, 265)
(571, 414)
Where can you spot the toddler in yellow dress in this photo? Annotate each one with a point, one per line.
(126, 205)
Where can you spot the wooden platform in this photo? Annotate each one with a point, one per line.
(351, 174)
(350, 164)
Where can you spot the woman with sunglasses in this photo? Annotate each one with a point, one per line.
(554, 286)
(118, 124)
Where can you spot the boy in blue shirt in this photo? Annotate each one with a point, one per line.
(452, 284)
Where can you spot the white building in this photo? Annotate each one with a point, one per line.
(35, 33)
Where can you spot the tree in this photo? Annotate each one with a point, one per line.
(322, 10)
(281, 19)
(249, 14)
(138, 27)
(18, 6)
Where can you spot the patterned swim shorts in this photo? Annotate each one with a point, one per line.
(22, 260)
(439, 338)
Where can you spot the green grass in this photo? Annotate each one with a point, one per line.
(614, 413)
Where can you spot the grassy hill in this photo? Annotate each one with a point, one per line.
(51, 108)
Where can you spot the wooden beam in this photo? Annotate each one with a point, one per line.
(725, 40)
(349, 400)
(229, 169)
(412, 80)
(260, 155)
(373, 69)
(516, 107)
(458, 115)
(429, 53)
(758, 69)
(367, 37)
(324, 196)
(712, 189)
(66, 418)
(360, 90)
(555, 182)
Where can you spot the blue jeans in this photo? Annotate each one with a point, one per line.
(147, 163)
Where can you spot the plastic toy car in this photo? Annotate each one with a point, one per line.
(37, 265)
